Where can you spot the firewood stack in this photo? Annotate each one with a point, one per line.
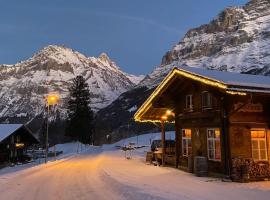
(246, 169)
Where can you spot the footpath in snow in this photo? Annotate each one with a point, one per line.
(104, 173)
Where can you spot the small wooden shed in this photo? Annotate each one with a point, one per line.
(14, 141)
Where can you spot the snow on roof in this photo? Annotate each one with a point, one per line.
(7, 129)
(231, 78)
(230, 82)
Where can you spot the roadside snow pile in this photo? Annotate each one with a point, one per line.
(68, 149)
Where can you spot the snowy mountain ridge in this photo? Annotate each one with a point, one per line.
(25, 84)
(237, 40)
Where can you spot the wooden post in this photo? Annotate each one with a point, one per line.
(226, 140)
(177, 140)
(47, 136)
(163, 138)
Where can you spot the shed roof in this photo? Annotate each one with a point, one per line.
(7, 129)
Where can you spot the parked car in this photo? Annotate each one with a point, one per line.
(156, 148)
(156, 145)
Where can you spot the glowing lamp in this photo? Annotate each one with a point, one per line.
(19, 145)
(217, 133)
(168, 112)
(52, 99)
(164, 118)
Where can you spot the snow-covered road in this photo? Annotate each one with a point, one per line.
(104, 173)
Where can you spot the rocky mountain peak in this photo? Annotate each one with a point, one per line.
(24, 84)
(237, 39)
(257, 5)
(104, 57)
(51, 50)
(60, 55)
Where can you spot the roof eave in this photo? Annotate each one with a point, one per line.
(197, 77)
(147, 104)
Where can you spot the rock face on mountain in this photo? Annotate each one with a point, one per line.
(25, 84)
(238, 40)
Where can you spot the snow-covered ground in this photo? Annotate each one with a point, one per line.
(104, 173)
(69, 150)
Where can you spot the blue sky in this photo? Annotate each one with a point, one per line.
(135, 34)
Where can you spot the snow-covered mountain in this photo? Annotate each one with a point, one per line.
(238, 40)
(24, 85)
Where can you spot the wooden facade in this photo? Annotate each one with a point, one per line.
(215, 121)
(14, 141)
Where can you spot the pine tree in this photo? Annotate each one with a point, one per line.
(80, 116)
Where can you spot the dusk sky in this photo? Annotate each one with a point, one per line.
(135, 34)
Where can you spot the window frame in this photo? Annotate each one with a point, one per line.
(209, 99)
(187, 140)
(190, 107)
(214, 144)
(258, 139)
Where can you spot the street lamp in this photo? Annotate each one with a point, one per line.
(51, 99)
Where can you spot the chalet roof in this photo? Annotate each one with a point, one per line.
(229, 82)
(7, 129)
(231, 78)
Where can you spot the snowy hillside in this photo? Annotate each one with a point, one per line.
(238, 40)
(135, 79)
(24, 85)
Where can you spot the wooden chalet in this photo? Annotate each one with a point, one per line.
(14, 141)
(220, 116)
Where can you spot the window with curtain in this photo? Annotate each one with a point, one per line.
(258, 142)
(186, 142)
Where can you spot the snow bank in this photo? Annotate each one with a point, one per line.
(69, 150)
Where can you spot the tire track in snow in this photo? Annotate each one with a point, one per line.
(127, 191)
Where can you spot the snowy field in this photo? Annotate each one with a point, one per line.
(104, 173)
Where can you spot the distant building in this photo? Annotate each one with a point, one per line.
(220, 117)
(14, 141)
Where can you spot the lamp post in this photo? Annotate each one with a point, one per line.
(51, 99)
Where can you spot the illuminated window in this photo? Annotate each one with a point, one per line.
(206, 100)
(186, 142)
(213, 144)
(258, 142)
(189, 104)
